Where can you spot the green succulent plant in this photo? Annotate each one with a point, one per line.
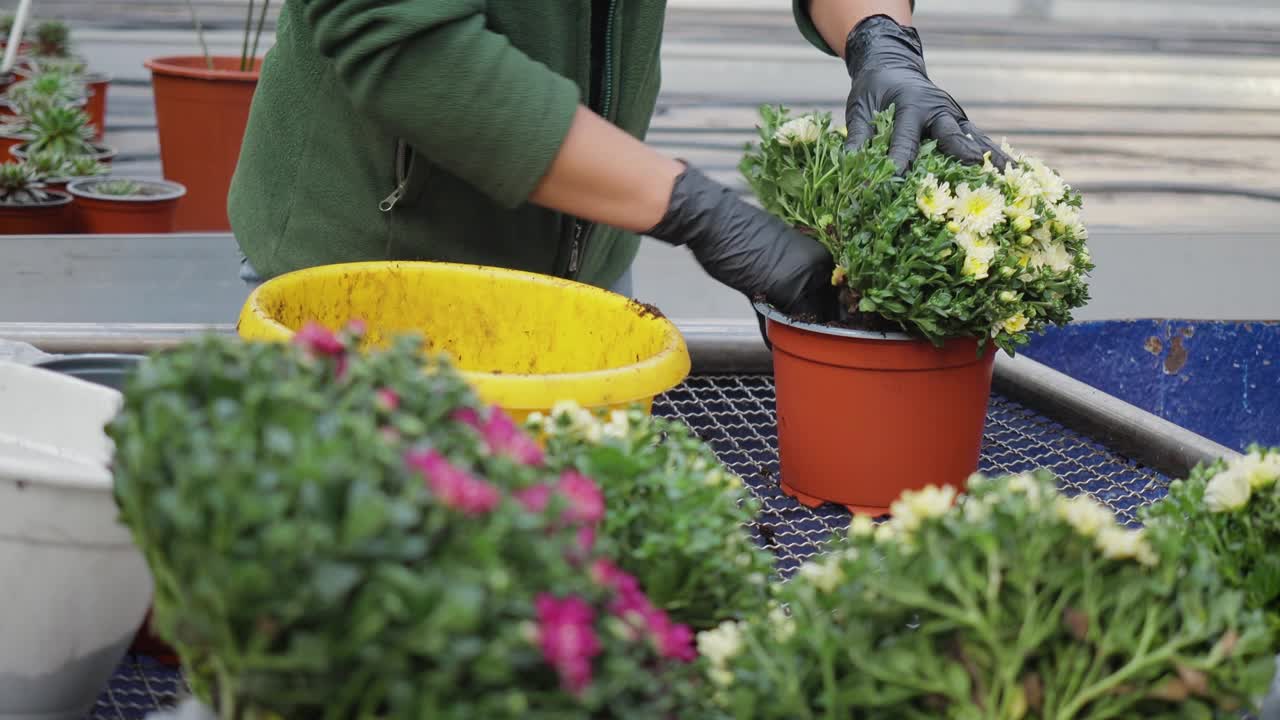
(84, 166)
(19, 185)
(121, 187)
(62, 129)
(53, 39)
(47, 88)
(6, 25)
(74, 67)
(47, 164)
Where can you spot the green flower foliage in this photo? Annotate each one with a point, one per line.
(1228, 514)
(331, 537)
(1018, 604)
(948, 251)
(676, 518)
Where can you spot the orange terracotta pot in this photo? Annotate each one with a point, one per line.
(151, 213)
(96, 105)
(51, 218)
(201, 116)
(863, 416)
(8, 142)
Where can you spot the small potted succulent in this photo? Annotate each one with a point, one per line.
(1017, 603)
(42, 91)
(335, 534)
(125, 205)
(935, 271)
(64, 130)
(95, 84)
(55, 170)
(202, 109)
(26, 207)
(1229, 512)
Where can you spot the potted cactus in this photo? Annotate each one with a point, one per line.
(125, 205)
(934, 272)
(202, 108)
(26, 207)
(65, 130)
(55, 170)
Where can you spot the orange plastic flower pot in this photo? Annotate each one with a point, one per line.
(863, 416)
(96, 105)
(201, 116)
(51, 218)
(151, 213)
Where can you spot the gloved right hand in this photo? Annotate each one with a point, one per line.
(746, 248)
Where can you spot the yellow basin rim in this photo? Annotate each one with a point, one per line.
(634, 382)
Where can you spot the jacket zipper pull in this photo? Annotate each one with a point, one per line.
(390, 201)
(575, 249)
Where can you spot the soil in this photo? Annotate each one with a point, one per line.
(645, 310)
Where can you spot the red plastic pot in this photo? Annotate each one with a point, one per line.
(201, 115)
(7, 143)
(148, 213)
(50, 218)
(863, 416)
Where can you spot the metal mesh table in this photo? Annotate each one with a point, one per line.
(734, 414)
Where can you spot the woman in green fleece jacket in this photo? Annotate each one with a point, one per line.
(508, 133)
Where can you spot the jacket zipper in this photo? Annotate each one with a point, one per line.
(577, 246)
(404, 166)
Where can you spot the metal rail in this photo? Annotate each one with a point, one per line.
(719, 348)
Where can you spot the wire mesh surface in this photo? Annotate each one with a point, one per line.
(734, 414)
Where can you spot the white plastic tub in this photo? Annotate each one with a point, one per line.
(73, 588)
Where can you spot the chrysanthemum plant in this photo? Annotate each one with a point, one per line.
(335, 535)
(1016, 603)
(676, 518)
(1230, 512)
(948, 251)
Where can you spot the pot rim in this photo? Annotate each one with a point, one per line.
(168, 65)
(93, 360)
(103, 153)
(173, 190)
(772, 313)
(60, 198)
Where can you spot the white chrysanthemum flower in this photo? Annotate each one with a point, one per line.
(1015, 324)
(1117, 543)
(1023, 184)
(802, 130)
(1056, 257)
(1227, 491)
(931, 502)
(720, 676)
(934, 200)
(1069, 217)
(978, 210)
(784, 626)
(1261, 471)
(1051, 184)
(825, 574)
(862, 526)
(1027, 484)
(1008, 150)
(887, 531)
(975, 511)
(976, 268)
(721, 643)
(1085, 514)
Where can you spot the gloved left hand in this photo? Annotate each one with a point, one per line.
(886, 65)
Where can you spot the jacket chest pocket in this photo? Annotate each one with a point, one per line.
(409, 178)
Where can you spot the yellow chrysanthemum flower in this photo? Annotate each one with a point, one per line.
(978, 210)
(1015, 324)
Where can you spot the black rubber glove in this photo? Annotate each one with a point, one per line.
(746, 248)
(886, 64)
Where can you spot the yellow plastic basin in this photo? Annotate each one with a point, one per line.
(524, 341)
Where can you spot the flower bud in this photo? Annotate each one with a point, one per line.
(1008, 296)
(1008, 271)
(953, 227)
(1022, 224)
(1026, 241)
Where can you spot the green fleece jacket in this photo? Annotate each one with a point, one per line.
(417, 129)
